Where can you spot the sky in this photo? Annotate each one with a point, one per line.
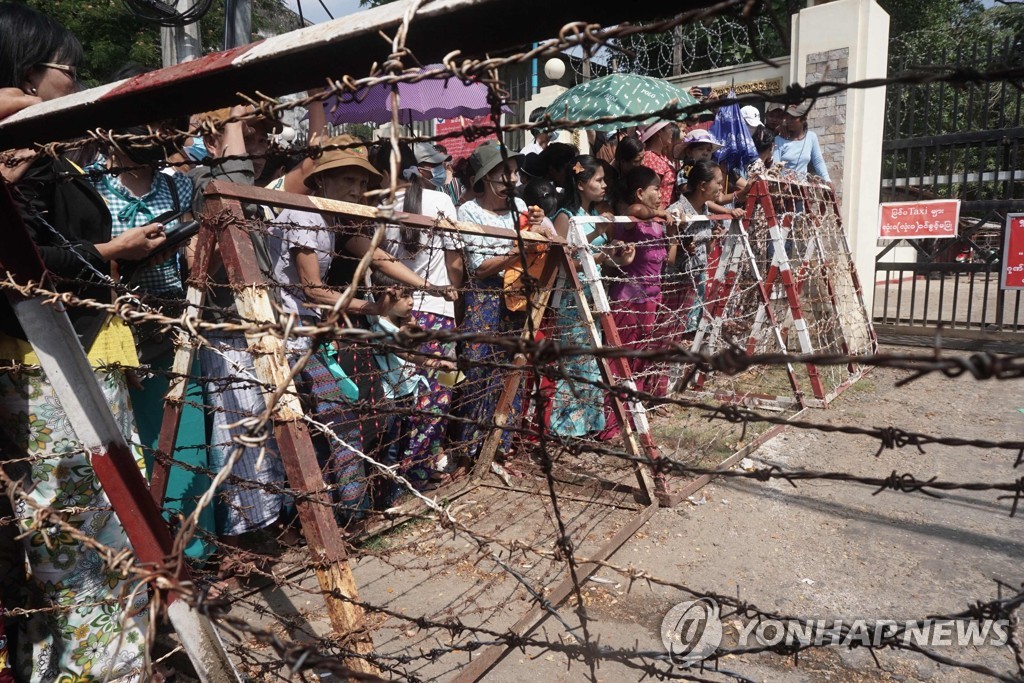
(314, 12)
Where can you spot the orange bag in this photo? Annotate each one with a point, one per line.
(515, 288)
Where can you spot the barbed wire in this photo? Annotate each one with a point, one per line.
(537, 360)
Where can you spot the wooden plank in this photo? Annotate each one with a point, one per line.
(537, 307)
(489, 658)
(321, 205)
(324, 539)
(181, 367)
(485, 662)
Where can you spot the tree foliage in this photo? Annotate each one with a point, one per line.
(109, 33)
(112, 36)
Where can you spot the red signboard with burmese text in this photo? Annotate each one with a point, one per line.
(460, 147)
(934, 219)
(1012, 273)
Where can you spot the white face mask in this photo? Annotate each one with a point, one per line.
(438, 176)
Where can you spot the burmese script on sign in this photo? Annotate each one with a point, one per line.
(919, 220)
(1013, 253)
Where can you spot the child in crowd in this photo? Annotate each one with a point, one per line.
(704, 185)
(403, 380)
(636, 296)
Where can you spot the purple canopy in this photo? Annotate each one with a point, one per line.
(430, 98)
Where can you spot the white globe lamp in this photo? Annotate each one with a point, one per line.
(554, 69)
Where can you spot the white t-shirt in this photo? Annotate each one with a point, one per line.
(532, 148)
(429, 261)
(298, 230)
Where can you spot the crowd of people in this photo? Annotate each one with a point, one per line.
(100, 217)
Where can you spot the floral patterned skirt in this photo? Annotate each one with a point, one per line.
(482, 388)
(96, 629)
(577, 407)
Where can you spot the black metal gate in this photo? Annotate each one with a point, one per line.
(959, 142)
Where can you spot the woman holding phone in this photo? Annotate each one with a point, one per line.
(86, 620)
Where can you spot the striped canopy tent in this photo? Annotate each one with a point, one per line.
(618, 95)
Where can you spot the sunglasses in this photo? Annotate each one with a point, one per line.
(71, 71)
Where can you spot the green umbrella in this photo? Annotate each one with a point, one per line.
(618, 95)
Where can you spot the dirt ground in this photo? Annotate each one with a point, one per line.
(822, 550)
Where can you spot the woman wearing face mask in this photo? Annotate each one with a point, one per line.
(430, 164)
(136, 192)
(436, 257)
(486, 258)
(70, 637)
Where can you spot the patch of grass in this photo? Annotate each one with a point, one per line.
(863, 386)
(689, 437)
(386, 539)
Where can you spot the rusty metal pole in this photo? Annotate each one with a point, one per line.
(184, 355)
(323, 536)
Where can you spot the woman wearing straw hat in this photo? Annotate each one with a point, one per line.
(486, 259)
(341, 378)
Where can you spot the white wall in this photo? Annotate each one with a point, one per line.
(863, 27)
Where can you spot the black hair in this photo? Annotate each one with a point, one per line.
(535, 116)
(639, 178)
(763, 138)
(629, 148)
(541, 192)
(129, 70)
(29, 38)
(557, 156)
(380, 157)
(701, 172)
(588, 167)
(613, 183)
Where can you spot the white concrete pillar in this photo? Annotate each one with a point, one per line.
(846, 41)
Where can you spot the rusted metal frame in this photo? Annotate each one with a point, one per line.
(814, 243)
(538, 306)
(564, 496)
(636, 431)
(307, 57)
(759, 194)
(834, 201)
(184, 355)
(785, 273)
(725, 281)
(69, 371)
(321, 205)
(316, 513)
